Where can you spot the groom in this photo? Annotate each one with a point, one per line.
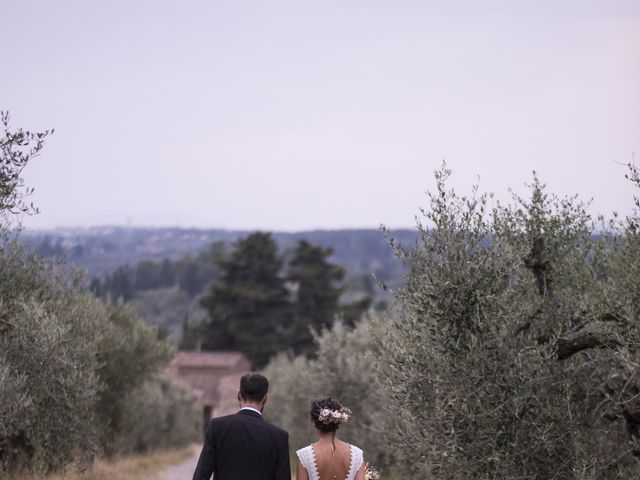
(244, 446)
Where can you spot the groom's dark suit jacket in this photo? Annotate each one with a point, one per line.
(244, 446)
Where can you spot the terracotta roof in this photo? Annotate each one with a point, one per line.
(207, 359)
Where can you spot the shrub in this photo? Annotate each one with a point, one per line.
(512, 350)
(72, 369)
(78, 376)
(47, 365)
(158, 414)
(344, 368)
(130, 354)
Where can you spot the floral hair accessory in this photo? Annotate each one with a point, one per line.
(328, 416)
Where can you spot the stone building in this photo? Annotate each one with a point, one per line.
(213, 377)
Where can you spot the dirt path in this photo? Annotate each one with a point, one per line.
(184, 470)
(181, 471)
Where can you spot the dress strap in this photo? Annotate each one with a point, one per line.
(307, 458)
(357, 459)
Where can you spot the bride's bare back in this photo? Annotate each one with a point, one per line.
(316, 462)
(334, 466)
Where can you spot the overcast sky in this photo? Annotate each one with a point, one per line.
(295, 115)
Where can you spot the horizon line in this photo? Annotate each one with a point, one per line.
(205, 228)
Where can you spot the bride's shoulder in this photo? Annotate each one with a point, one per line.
(306, 457)
(304, 452)
(357, 455)
(355, 448)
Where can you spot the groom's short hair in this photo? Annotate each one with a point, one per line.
(253, 387)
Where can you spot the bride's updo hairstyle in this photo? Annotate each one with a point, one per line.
(317, 407)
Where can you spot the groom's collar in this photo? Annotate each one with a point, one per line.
(250, 411)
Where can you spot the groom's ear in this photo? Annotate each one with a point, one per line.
(266, 397)
(239, 396)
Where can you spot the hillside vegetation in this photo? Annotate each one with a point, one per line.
(510, 353)
(167, 272)
(79, 376)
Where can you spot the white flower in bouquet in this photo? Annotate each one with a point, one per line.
(371, 473)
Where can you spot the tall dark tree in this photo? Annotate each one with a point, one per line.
(167, 273)
(249, 303)
(147, 275)
(195, 274)
(189, 278)
(317, 284)
(121, 283)
(208, 261)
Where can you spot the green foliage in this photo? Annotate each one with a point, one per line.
(158, 414)
(191, 274)
(344, 367)
(363, 253)
(249, 305)
(169, 309)
(261, 307)
(512, 351)
(72, 370)
(165, 294)
(316, 281)
(317, 286)
(17, 148)
(129, 342)
(48, 338)
(148, 275)
(120, 284)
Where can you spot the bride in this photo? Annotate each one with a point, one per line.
(329, 458)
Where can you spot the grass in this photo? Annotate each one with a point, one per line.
(138, 467)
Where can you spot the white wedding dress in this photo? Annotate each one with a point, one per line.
(307, 458)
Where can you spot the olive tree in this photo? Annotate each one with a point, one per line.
(343, 367)
(78, 376)
(512, 351)
(17, 148)
(49, 386)
(158, 414)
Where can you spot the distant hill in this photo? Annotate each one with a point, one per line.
(101, 250)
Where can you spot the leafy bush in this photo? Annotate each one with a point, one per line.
(513, 350)
(48, 366)
(158, 414)
(171, 310)
(344, 368)
(129, 354)
(17, 148)
(74, 373)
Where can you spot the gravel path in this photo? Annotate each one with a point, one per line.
(181, 471)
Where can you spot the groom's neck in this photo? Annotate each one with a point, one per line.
(256, 406)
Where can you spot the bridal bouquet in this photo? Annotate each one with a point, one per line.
(371, 474)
